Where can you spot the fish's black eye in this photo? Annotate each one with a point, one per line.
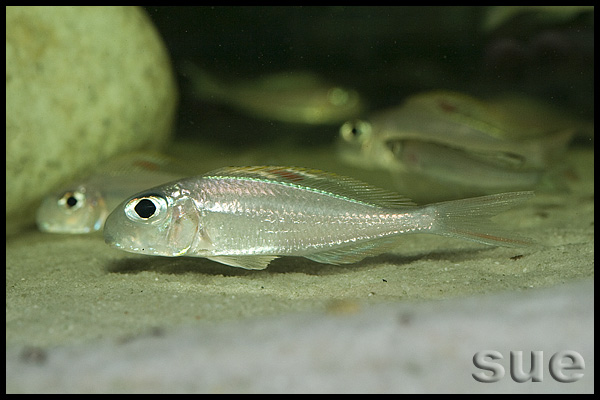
(71, 201)
(145, 208)
(149, 208)
(355, 131)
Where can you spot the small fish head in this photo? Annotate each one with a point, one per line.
(155, 222)
(363, 144)
(358, 144)
(80, 209)
(342, 103)
(355, 136)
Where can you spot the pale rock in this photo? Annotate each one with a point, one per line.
(82, 84)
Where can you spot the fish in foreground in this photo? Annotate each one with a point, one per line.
(82, 207)
(247, 216)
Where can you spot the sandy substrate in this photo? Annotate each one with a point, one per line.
(72, 302)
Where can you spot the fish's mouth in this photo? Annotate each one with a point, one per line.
(118, 242)
(110, 240)
(137, 249)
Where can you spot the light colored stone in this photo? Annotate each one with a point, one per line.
(82, 84)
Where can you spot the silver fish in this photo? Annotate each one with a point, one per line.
(247, 216)
(83, 206)
(294, 96)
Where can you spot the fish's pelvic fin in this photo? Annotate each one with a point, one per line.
(245, 261)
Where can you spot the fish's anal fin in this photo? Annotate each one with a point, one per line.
(355, 252)
(245, 261)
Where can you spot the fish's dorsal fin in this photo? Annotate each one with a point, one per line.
(316, 180)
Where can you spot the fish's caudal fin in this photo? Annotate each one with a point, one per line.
(470, 219)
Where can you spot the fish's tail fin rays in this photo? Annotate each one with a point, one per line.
(470, 219)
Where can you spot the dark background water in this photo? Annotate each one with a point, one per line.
(386, 53)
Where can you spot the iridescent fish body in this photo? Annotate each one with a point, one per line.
(82, 207)
(294, 96)
(247, 216)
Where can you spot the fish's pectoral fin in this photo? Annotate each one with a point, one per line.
(246, 262)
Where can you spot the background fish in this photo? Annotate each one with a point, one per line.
(83, 206)
(294, 96)
(247, 216)
(459, 167)
(509, 143)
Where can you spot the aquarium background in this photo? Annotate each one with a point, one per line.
(386, 53)
(84, 318)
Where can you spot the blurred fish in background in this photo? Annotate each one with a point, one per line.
(83, 206)
(440, 145)
(293, 96)
(529, 67)
(497, 16)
